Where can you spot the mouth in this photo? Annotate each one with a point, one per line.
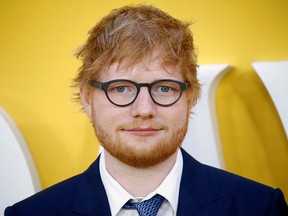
(142, 131)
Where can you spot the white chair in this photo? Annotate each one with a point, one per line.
(18, 175)
(274, 76)
(202, 140)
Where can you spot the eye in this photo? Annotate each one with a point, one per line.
(164, 89)
(121, 88)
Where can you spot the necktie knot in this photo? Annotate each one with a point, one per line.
(146, 208)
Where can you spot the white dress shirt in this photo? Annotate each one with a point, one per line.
(169, 189)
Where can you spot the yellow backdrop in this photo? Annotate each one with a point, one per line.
(37, 42)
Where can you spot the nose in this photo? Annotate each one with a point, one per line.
(143, 106)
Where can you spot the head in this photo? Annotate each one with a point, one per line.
(138, 39)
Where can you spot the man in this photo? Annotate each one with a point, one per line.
(137, 85)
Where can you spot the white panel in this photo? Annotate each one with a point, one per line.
(202, 140)
(18, 176)
(274, 75)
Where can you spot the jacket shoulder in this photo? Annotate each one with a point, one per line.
(45, 202)
(81, 193)
(244, 195)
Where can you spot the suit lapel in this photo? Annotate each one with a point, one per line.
(197, 195)
(91, 195)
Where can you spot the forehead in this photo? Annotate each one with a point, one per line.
(152, 69)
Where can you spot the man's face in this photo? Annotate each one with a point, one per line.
(142, 134)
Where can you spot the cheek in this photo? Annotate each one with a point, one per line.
(180, 118)
(178, 112)
(107, 117)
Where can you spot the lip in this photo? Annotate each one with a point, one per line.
(143, 131)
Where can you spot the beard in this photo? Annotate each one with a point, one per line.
(138, 151)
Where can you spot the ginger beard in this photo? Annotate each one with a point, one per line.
(140, 154)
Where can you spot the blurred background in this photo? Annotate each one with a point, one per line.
(39, 37)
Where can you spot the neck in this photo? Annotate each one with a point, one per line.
(139, 182)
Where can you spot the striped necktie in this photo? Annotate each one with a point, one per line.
(146, 208)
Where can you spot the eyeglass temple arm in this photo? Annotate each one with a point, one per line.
(95, 84)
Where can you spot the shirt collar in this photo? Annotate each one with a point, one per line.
(170, 186)
(118, 196)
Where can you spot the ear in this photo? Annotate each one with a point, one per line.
(86, 99)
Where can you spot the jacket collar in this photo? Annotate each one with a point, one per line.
(91, 196)
(197, 194)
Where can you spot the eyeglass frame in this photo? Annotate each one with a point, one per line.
(104, 87)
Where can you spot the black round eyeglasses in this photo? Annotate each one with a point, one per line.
(122, 92)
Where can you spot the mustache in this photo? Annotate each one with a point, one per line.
(141, 124)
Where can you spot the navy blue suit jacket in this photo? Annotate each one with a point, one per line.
(204, 191)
